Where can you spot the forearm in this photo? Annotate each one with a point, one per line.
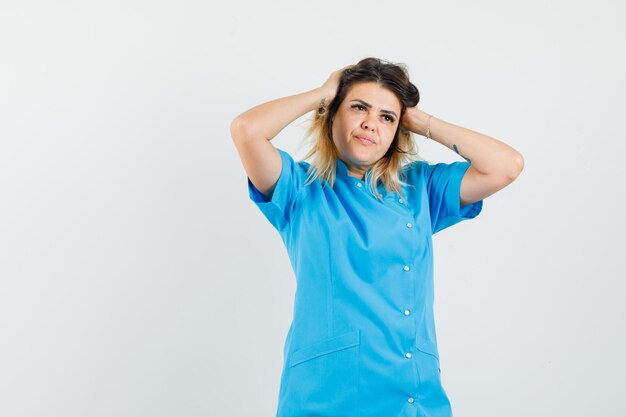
(486, 154)
(268, 119)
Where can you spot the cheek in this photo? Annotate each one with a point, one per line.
(391, 132)
(338, 127)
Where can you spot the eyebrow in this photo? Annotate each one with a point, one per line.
(369, 106)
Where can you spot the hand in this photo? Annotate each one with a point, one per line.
(415, 120)
(332, 84)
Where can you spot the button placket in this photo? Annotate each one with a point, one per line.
(407, 268)
(409, 225)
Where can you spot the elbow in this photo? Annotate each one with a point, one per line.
(238, 129)
(516, 166)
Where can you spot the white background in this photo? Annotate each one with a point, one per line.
(138, 279)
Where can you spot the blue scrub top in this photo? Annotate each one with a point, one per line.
(362, 340)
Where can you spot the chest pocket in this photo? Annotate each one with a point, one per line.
(323, 377)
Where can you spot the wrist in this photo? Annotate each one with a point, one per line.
(317, 98)
(321, 100)
(420, 123)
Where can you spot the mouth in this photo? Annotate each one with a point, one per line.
(365, 140)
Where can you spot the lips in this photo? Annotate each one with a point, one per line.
(365, 138)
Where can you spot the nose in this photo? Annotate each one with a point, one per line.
(367, 123)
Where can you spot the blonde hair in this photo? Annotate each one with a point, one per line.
(403, 150)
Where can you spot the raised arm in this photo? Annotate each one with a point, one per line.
(494, 164)
(253, 130)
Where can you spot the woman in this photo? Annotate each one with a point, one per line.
(357, 223)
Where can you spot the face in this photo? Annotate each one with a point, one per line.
(367, 111)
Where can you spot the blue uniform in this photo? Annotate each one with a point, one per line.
(362, 340)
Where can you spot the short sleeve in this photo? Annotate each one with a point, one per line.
(280, 204)
(443, 183)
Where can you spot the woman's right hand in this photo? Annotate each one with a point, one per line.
(332, 84)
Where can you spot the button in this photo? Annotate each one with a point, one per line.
(411, 400)
(358, 184)
(409, 225)
(408, 356)
(407, 312)
(401, 201)
(406, 267)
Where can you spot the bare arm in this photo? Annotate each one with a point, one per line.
(266, 120)
(253, 130)
(493, 164)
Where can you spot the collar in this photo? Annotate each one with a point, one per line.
(341, 172)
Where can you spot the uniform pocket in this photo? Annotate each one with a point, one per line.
(323, 377)
(325, 347)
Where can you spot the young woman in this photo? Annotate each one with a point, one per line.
(357, 222)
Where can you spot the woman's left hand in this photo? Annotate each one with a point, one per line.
(415, 120)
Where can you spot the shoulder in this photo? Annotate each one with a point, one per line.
(414, 165)
(414, 170)
(296, 171)
(427, 170)
(291, 161)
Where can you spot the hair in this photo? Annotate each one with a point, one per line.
(403, 149)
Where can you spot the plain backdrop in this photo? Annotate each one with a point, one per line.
(138, 279)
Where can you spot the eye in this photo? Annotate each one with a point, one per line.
(389, 118)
